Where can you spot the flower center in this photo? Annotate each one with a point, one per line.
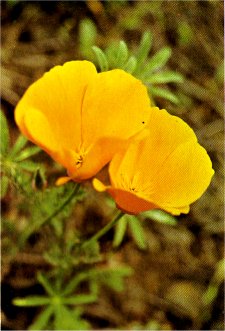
(79, 160)
(133, 189)
(134, 185)
(80, 156)
(129, 184)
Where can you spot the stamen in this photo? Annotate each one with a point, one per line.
(79, 161)
(134, 185)
(127, 183)
(133, 189)
(80, 155)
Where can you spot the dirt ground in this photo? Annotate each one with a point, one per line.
(173, 274)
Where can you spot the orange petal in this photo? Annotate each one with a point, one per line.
(116, 106)
(62, 180)
(126, 201)
(166, 133)
(125, 161)
(168, 168)
(149, 154)
(99, 155)
(39, 130)
(177, 210)
(98, 185)
(58, 95)
(83, 112)
(184, 177)
(130, 203)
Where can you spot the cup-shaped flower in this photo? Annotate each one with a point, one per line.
(81, 117)
(162, 168)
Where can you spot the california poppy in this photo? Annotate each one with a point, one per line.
(81, 117)
(163, 168)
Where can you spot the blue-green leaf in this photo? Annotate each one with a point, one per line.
(87, 37)
(4, 134)
(45, 283)
(144, 48)
(163, 93)
(122, 54)
(26, 153)
(4, 183)
(120, 230)
(185, 33)
(29, 165)
(165, 77)
(74, 282)
(111, 53)
(91, 251)
(131, 65)
(115, 278)
(213, 288)
(79, 299)
(160, 216)
(66, 319)
(32, 301)
(157, 61)
(17, 147)
(102, 60)
(137, 232)
(42, 320)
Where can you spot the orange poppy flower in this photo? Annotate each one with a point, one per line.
(164, 168)
(81, 117)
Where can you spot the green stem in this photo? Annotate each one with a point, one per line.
(104, 230)
(30, 229)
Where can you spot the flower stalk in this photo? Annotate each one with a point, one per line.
(104, 230)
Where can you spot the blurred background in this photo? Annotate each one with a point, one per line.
(178, 279)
